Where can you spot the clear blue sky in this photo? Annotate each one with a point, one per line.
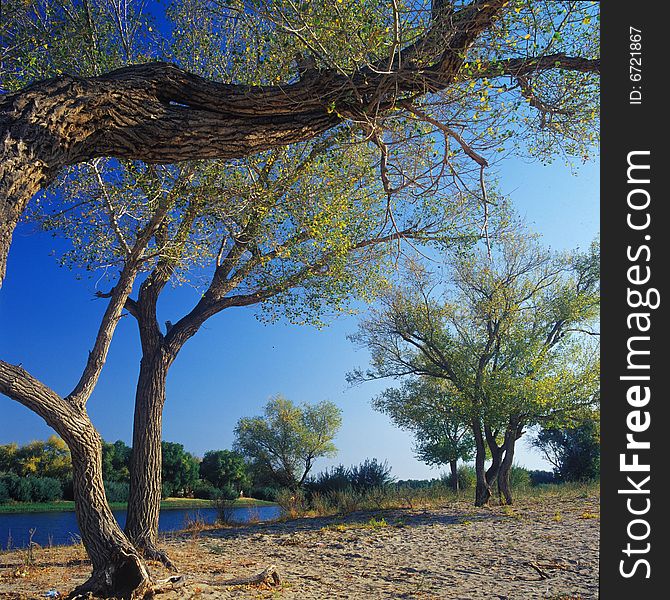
(48, 321)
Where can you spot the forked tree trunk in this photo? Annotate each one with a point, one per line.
(118, 570)
(146, 458)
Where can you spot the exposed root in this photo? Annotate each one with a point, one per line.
(150, 552)
(126, 578)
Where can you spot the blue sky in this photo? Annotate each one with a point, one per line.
(229, 370)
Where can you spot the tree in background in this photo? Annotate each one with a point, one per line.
(436, 415)
(285, 442)
(509, 328)
(116, 461)
(472, 75)
(50, 458)
(225, 469)
(573, 450)
(180, 470)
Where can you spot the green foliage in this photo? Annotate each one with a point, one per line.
(370, 474)
(574, 451)
(117, 491)
(519, 477)
(50, 458)
(205, 490)
(466, 478)
(285, 442)
(223, 468)
(116, 461)
(438, 418)
(179, 469)
(29, 488)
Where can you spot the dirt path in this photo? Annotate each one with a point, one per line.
(546, 549)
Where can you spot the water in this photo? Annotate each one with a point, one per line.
(58, 528)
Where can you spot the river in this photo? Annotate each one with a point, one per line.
(59, 528)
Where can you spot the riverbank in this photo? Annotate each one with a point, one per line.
(167, 504)
(545, 546)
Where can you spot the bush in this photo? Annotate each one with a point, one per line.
(370, 474)
(19, 488)
(333, 480)
(542, 477)
(519, 477)
(467, 478)
(117, 491)
(4, 493)
(268, 493)
(46, 489)
(68, 489)
(292, 502)
(205, 490)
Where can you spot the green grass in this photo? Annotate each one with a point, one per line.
(168, 503)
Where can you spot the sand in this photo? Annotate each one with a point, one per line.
(540, 548)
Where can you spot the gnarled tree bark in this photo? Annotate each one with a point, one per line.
(118, 570)
(158, 113)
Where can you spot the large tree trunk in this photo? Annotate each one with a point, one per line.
(118, 570)
(146, 459)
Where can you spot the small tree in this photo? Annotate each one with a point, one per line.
(430, 409)
(223, 468)
(574, 451)
(286, 441)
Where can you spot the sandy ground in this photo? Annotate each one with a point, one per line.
(536, 549)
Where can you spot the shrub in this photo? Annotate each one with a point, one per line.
(68, 489)
(117, 491)
(4, 492)
(205, 490)
(292, 502)
(46, 489)
(264, 492)
(467, 478)
(19, 488)
(519, 477)
(370, 474)
(336, 479)
(542, 477)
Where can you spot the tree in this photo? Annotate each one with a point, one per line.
(511, 335)
(223, 468)
(116, 461)
(160, 113)
(287, 440)
(409, 73)
(179, 469)
(434, 413)
(573, 450)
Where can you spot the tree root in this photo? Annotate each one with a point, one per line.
(150, 552)
(126, 578)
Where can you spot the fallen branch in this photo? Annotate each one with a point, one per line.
(269, 573)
